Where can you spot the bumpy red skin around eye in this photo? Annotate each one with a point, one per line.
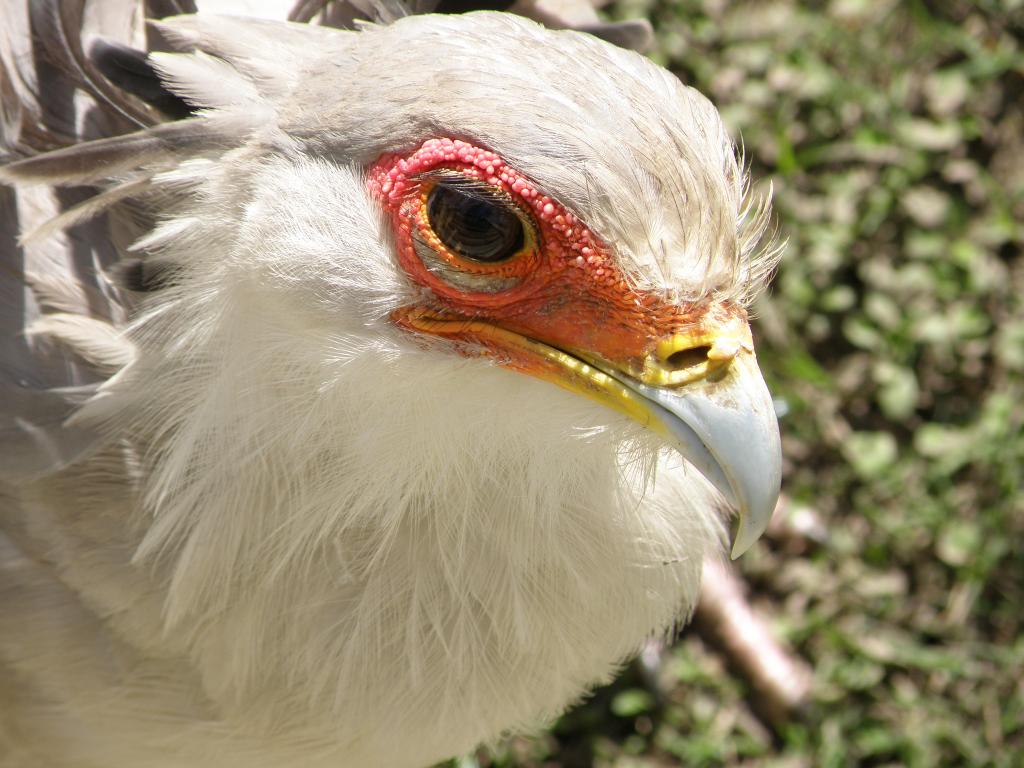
(571, 294)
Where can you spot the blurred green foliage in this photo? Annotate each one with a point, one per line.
(893, 134)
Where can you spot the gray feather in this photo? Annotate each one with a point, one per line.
(41, 384)
(51, 96)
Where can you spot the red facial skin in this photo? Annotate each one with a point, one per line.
(570, 293)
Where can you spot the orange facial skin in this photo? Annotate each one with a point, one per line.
(563, 289)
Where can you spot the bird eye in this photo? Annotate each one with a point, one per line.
(473, 226)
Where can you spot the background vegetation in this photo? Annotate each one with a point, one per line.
(893, 133)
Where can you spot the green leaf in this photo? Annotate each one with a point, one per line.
(632, 702)
(870, 453)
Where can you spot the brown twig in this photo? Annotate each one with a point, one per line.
(726, 621)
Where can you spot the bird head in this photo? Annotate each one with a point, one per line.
(568, 210)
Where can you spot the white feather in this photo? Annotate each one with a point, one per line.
(308, 538)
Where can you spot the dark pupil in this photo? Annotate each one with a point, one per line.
(475, 228)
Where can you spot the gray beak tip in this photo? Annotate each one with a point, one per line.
(746, 535)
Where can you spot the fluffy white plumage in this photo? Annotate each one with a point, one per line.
(296, 534)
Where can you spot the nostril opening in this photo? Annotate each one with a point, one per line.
(687, 358)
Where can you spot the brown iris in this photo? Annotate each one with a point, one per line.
(474, 226)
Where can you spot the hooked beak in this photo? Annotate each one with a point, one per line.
(727, 429)
(713, 406)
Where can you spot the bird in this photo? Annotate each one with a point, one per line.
(368, 393)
